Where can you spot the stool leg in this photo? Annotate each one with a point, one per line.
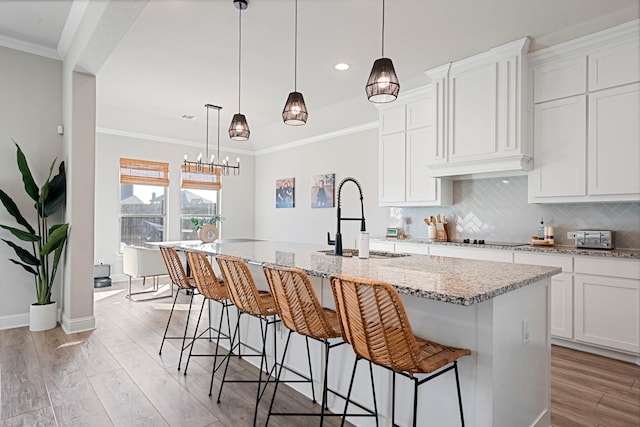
(186, 327)
(346, 403)
(226, 367)
(373, 390)
(164, 337)
(313, 392)
(393, 399)
(195, 333)
(324, 382)
(275, 389)
(415, 402)
(455, 369)
(263, 362)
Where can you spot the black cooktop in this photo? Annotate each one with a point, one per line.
(487, 242)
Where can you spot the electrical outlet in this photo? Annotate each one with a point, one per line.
(525, 331)
(101, 261)
(571, 235)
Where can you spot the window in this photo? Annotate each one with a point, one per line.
(142, 201)
(196, 203)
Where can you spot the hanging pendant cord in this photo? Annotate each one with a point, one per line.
(219, 108)
(295, 55)
(206, 156)
(383, 28)
(239, 56)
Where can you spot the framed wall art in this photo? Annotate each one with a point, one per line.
(322, 190)
(285, 192)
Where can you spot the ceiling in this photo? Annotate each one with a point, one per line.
(180, 55)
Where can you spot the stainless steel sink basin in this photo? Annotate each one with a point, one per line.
(372, 254)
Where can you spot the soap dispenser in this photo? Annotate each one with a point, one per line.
(541, 229)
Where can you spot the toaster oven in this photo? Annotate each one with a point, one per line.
(594, 239)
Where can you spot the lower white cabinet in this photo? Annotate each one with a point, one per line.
(411, 248)
(472, 253)
(607, 311)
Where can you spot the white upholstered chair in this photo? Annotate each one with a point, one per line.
(138, 261)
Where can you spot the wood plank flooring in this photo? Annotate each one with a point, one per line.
(113, 376)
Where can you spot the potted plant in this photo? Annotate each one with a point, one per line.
(206, 227)
(44, 244)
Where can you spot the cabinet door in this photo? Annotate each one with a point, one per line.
(559, 79)
(562, 305)
(615, 66)
(614, 141)
(412, 248)
(420, 185)
(419, 113)
(392, 120)
(607, 311)
(472, 111)
(392, 168)
(559, 149)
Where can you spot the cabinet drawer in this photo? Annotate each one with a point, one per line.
(608, 267)
(564, 262)
(615, 66)
(471, 253)
(412, 248)
(559, 79)
(381, 246)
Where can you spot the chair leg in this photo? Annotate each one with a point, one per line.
(263, 363)
(224, 375)
(313, 391)
(275, 389)
(455, 369)
(415, 402)
(393, 399)
(346, 403)
(186, 327)
(325, 382)
(195, 333)
(164, 337)
(373, 390)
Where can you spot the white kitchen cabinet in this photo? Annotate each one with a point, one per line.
(411, 248)
(405, 135)
(614, 141)
(477, 113)
(382, 246)
(560, 149)
(585, 119)
(561, 289)
(607, 303)
(471, 253)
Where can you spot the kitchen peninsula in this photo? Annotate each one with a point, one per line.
(499, 311)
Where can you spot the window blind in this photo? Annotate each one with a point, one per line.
(200, 177)
(134, 171)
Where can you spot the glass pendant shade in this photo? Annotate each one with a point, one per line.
(295, 110)
(239, 128)
(383, 85)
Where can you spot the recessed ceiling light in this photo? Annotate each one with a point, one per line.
(342, 66)
(188, 117)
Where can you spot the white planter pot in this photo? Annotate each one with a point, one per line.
(43, 317)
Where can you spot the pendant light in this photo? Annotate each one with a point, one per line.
(383, 85)
(295, 111)
(239, 128)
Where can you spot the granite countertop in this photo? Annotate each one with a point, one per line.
(567, 250)
(452, 280)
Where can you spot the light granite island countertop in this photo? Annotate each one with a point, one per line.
(453, 280)
(499, 311)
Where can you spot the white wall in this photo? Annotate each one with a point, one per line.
(31, 108)
(237, 204)
(354, 155)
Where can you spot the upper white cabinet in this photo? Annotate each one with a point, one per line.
(476, 111)
(586, 104)
(406, 133)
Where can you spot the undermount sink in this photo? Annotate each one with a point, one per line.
(372, 254)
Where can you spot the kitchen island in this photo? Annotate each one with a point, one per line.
(499, 311)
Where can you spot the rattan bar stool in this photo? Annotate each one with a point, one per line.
(183, 282)
(260, 304)
(301, 312)
(212, 289)
(374, 322)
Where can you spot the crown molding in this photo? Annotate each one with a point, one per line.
(27, 47)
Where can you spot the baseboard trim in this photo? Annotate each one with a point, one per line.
(14, 321)
(612, 354)
(71, 326)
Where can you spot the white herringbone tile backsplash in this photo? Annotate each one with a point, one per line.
(497, 209)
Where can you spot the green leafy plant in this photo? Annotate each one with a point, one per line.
(46, 242)
(199, 222)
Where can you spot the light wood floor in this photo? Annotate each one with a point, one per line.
(114, 376)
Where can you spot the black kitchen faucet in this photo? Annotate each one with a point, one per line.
(338, 240)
